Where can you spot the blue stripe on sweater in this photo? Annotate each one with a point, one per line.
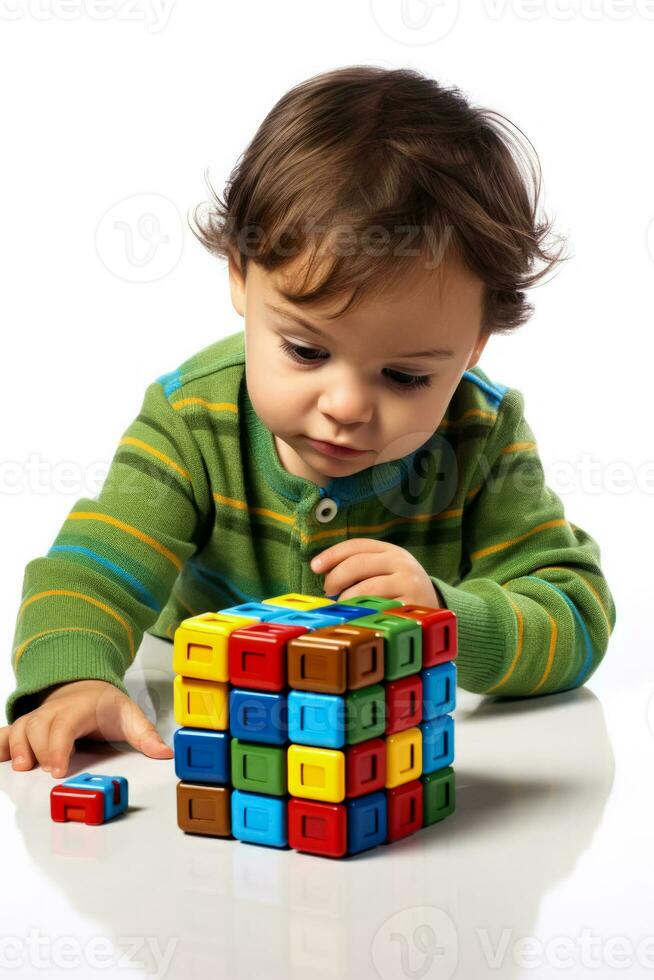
(145, 596)
(588, 659)
(170, 381)
(495, 392)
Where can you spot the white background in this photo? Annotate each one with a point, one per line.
(102, 103)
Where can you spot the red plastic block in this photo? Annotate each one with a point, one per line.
(82, 805)
(404, 810)
(439, 632)
(257, 655)
(403, 703)
(316, 827)
(365, 767)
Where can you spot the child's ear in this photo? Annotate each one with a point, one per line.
(236, 283)
(478, 350)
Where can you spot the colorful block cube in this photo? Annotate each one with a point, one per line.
(204, 809)
(367, 821)
(324, 726)
(317, 827)
(202, 755)
(200, 647)
(258, 716)
(88, 798)
(259, 819)
(316, 719)
(315, 773)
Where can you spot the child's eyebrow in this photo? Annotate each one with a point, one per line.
(441, 352)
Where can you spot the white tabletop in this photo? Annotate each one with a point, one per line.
(544, 869)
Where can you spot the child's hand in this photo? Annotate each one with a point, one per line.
(365, 566)
(77, 709)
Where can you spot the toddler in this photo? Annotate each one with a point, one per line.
(378, 230)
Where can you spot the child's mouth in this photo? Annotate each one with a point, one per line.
(329, 449)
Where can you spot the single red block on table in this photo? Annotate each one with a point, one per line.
(257, 655)
(316, 827)
(404, 810)
(439, 632)
(82, 805)
(365, 767)
(403, 703)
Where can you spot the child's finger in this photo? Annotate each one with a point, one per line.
(22, 756)
(5, 754)
(142, 734)
(62, 742)
(37, 733)
(351, 571)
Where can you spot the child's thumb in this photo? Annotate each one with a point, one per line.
(142, 734)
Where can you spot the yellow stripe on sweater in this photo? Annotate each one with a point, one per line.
(519, 447)
(554, 632)
(87, 598)
(373, 528)
(476, 412)
(514, 447)
(591, 588)
(212, 406)
(88, 515)
(61, 629)
(131, 441)
(501, 545)
(517, 654)
(241, 505)
(334, 532)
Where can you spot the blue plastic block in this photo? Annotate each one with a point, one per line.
(201, 755)
(438, 690)
(366, 821)
(316, 719)
(259, 819)
(254, 610)
(113, 787)
(297, 617)
(343, 612)
(437, 743)
(258, 716)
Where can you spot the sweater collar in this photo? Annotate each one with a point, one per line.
(370, 482)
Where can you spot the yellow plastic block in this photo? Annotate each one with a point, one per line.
(315, 773)
(201, 704)
(201, 643)
(299, 602)
(403, 757)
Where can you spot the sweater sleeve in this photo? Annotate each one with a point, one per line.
(86, 604)
(534, 609)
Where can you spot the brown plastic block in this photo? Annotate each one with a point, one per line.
(204, 809)
(333, 659)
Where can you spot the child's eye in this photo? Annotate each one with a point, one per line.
(401, 380)
(293, 349)
(414, 380)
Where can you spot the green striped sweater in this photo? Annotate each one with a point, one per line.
(197, 513)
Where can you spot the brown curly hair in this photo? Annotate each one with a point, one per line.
(396, 166)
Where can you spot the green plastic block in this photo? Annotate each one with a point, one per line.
(372, 602)
(365, 713)
(402, 642)
(258, 768)
(438, 795)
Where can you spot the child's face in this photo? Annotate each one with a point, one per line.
(355, 390)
